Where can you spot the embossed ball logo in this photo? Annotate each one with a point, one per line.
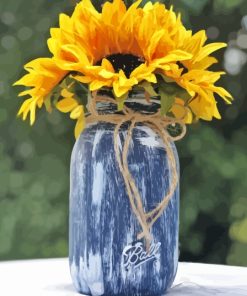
(135, 254)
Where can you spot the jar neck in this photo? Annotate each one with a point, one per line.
(136, 101)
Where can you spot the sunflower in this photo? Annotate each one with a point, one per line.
(122, 48)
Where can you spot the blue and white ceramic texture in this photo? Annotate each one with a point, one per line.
(105, 256)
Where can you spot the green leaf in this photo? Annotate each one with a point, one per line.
(63, 84)
(183, 94)
(165, 78)
(172, 88)
(168, 85)
(167, 100)
(121, 100)
(56, 97)
(82, 86)
(81, 92)
(148, 88)
(47, 103)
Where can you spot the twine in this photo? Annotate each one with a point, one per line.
(159, 125)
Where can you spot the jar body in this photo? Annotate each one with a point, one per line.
(105, 256)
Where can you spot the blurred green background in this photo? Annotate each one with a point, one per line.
(34, 162)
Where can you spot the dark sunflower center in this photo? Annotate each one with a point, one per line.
(125, 62)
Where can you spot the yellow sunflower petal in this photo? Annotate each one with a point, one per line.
(29, 106)
(181, 112)
(27, 80)
(97, 84)
(43, 75)
(154, 42)
(66, 93)
(208, 49)
(107, 65)
(67, 105)
(216, 112)
(106, 74)
(194, 43)
(32, 112)
(80, 125)
(176, 55)
(123, 84)
(83, 79)
(113, 12)
(26, 92)
(222, 92)
(43, 66)
(144, 72)
(77, 112)
(25, 106)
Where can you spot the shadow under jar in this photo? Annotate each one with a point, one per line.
(106, 258)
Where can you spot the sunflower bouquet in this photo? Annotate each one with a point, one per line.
(121, 50)
(124, 197)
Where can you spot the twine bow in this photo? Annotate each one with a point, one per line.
(158, 124)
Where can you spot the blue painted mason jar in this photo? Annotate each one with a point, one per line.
(106, 258)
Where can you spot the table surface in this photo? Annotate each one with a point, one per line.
(52, 277)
